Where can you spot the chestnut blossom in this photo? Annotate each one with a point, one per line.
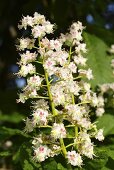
(58, 130)
(112, 49)
(27, 57)
(38, 19)
(38, 31)
(61, 98)
(40, 117)
(28, 125)
(74, 158)
(22, 98)
(41, 103)
(80, 60)
(99, 135)
(27, 69)
(41, 153)
(100, 111)
(85, 146)
(34, 82)
(87, 73)
(26, 43)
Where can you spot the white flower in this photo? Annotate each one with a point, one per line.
(34, 82)
(26, 43)
(28, 125)
(85, 146)
(99, 135)
(79, 60)
(85, 97)
(100, 111)
(72, 87)
(75, 112)
(55, 150)
(111, 85)
(38, 18)
(60, 57)
(86, 87)
(112, 63)
(77, 26)
(74, 158)
(26, 69)
(85, 123)
(58, 131)
(41, 153)
(100, 101)
(38, 31)
(29, 92)
(33, 93)
(104, 88)
(58, 95)
(94, 100)
(55, 44)
(26, 21)
(49, 65)
(112, 49)
(41, 103)
(81, 47)
(64, 73)
(22, 98)
(37, 141)
(27, 57)
(87, 150)
(72, 67)
(48, 27)
(89, 74)
(40, 117)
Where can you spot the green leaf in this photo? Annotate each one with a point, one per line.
(24, 157)
(106, 35)
(60, 167)
(50, 164)
(10, 132)
(13, 118)
(111, 154)
(5, 154)
(105, 168)
(98, 60)
(98, 162)
(27, 166)
(107, 123)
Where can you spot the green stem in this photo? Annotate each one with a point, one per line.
(76, 127)
(76, 131)
(50, 95)
(38, 62)
(77, 77)
(73, 100)
(63, 147)
(70, 52)
(41, 97)
(71, 144)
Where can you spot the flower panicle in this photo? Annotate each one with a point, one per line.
(61, 97)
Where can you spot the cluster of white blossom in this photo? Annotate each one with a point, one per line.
(111, 51)
(61, 97)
